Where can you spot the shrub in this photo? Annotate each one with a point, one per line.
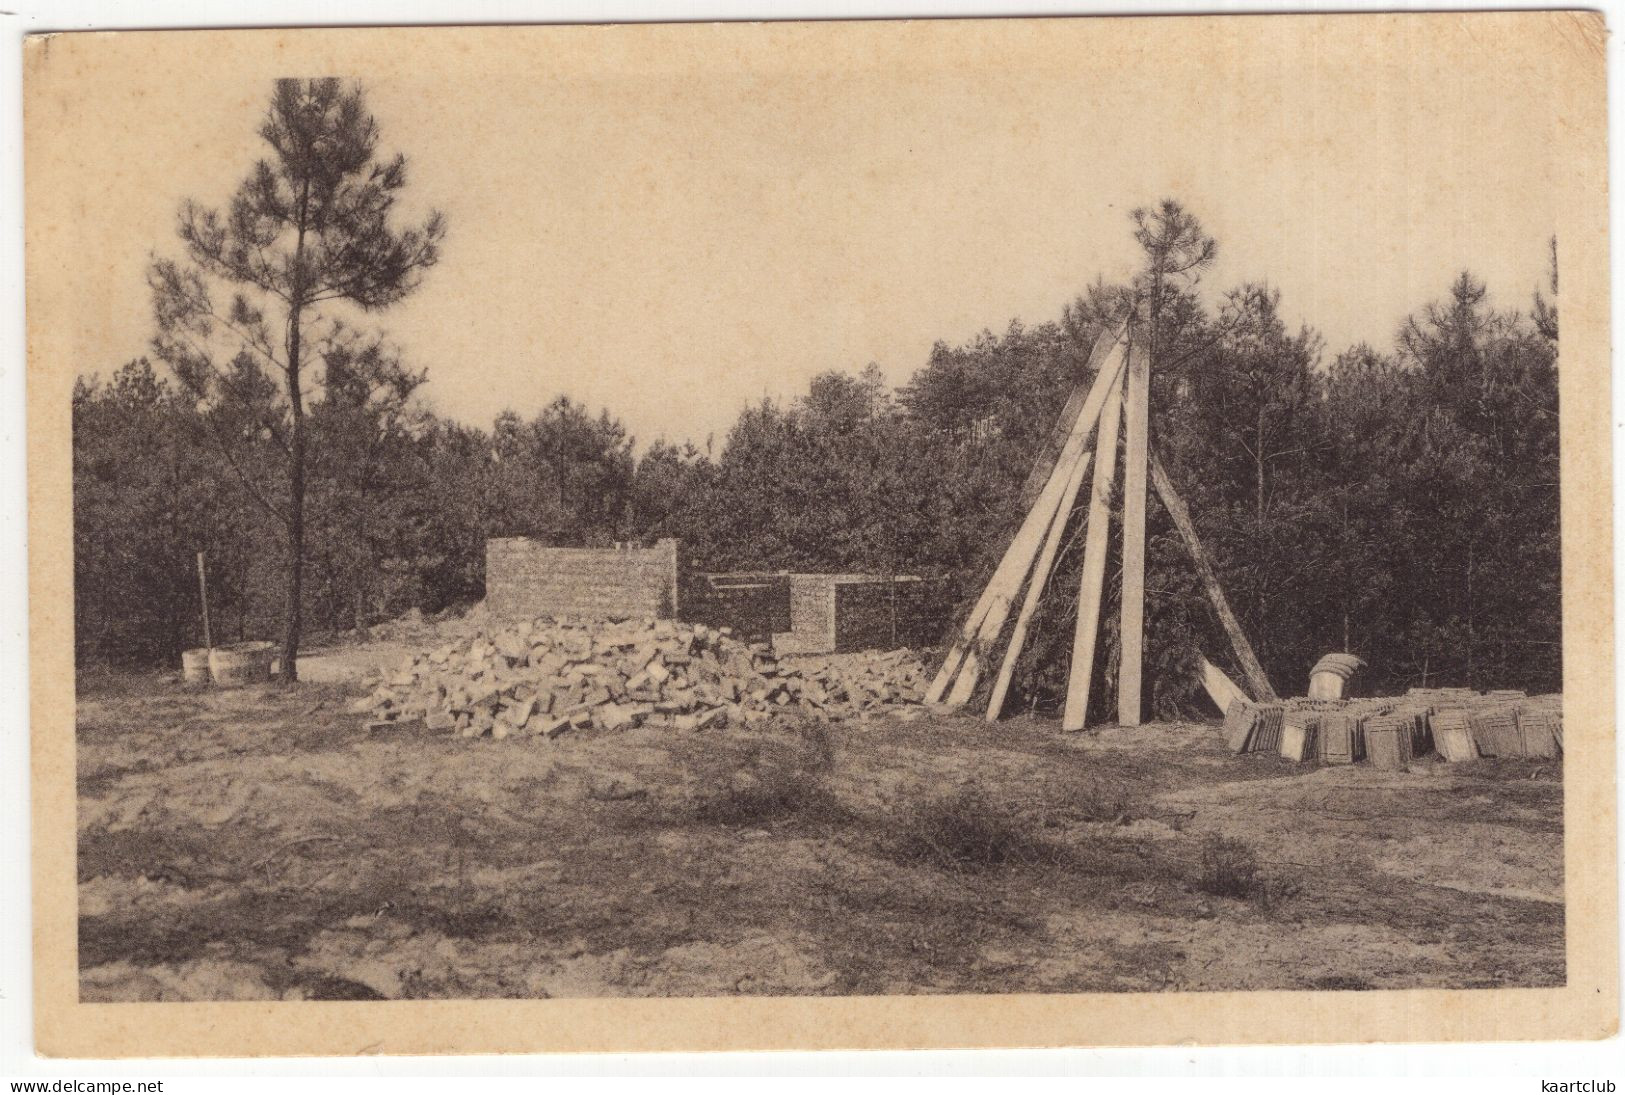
(965, 831)
(1229, 869)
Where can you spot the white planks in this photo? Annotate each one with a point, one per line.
(1035, 589)
(1117, 402)
(1131, 619)
(960, 671)
(1094, 566)
(1220, 688)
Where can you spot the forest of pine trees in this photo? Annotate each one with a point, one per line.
(1400, 501)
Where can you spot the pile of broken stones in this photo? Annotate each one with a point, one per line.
(545, 677)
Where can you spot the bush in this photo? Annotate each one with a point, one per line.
(1230, 869)
(965, 831)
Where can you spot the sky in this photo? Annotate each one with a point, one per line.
(678, 223)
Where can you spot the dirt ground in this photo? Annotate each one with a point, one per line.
(260, 844)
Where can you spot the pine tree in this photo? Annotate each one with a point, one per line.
(309, 226)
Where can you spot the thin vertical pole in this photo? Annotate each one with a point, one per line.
(1132, 607)
(1094, 566)
(203, 591)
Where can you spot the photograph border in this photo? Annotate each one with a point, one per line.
(62, 71)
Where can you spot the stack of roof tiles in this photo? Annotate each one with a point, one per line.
(1239, 721)
(1254, 727)
(1452, 737)
(1300, 735)
(1495, 731)
(1458, 723)
(1342, 737)
(1390, 740)
(1540, 725)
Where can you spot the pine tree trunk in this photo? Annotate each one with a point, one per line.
(293, 611)
(293, 616)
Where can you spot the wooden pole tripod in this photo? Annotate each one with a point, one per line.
(1119, 393)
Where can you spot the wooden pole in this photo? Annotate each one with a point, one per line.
(1050, 454)
(203, 591)
(1131, 621)
(1171, 501)
(964, 685)
(992, 624)
(1094, 566)
(1220, 689)
(1035, 589)
(987, 619)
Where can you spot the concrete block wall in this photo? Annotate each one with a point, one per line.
(812, 616)
(524, 577)
(754, 605)
(799, 613)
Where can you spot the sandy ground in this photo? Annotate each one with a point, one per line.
(260, 844)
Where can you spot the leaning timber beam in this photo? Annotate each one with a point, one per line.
(1006, 579)
(1131, 607)
(1094, 567)
(962, 667)
(1050, 454)
(1035, 590)
(1248, 661)
(1220, 688)
(1076, 451)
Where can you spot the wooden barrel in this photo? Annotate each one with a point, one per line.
(195, 665)
(241, 664)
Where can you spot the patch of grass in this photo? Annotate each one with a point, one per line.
(968, 832)
(1229, 868)
(246, 924)
(776, 780)
(763, 795)
(1096, 801)
(480, 919)
(183, 854)
(324, 987)
(1512, 769)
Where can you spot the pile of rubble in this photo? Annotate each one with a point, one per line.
(1457, 723)
(545, 677)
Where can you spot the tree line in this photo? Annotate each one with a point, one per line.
(1399, 501)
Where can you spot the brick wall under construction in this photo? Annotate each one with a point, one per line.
(840, 613)
(526, 578)
(812, 615)
(799, 613)
(754, 606)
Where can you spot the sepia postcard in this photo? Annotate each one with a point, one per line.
(894, 534)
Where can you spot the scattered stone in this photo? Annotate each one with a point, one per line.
(543, 677)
